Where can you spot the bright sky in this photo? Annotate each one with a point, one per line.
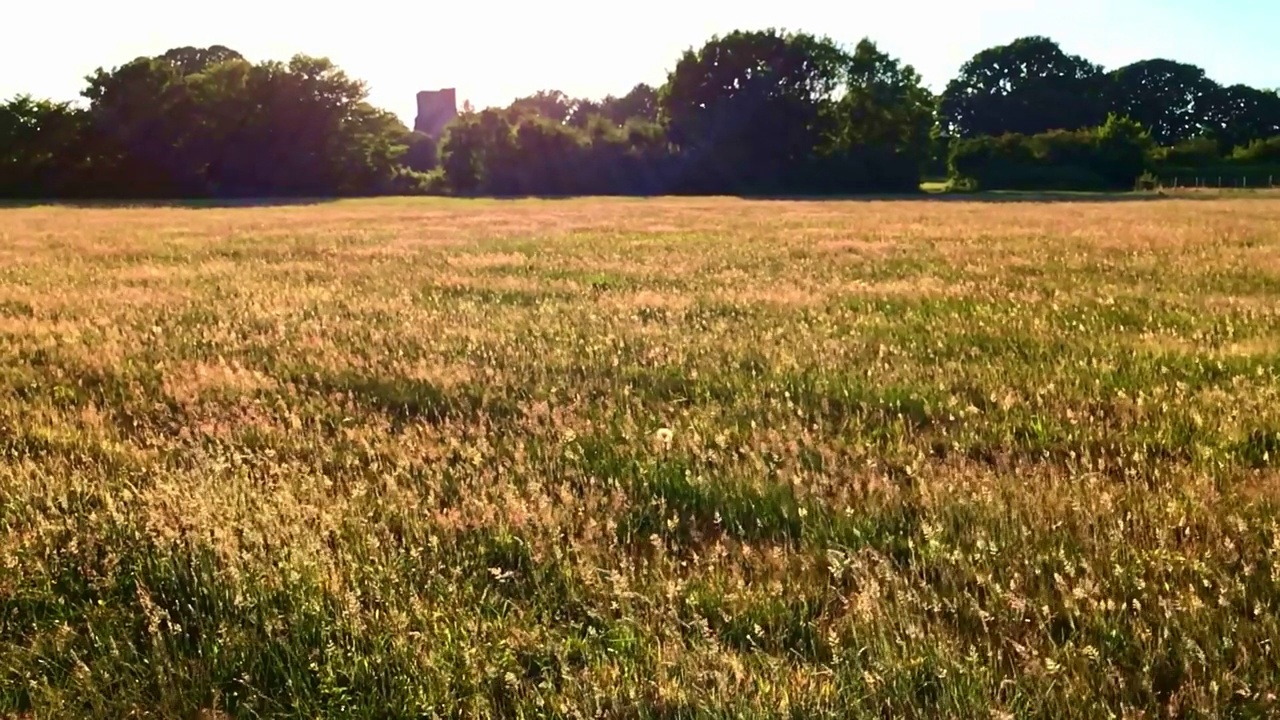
(495, 51)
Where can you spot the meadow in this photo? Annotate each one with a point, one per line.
(641, 458)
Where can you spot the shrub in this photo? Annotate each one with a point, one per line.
(1259, 152)
(1110, 157)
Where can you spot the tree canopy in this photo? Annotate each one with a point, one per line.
(751, 111)
(1028, 86)
(1172, 99)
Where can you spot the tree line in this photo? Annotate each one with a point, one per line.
(1029, 115)
(750, 112)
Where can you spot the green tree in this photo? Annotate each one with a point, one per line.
(1123, 147)
(193, 122)
(885, 105)
(1028, 86)
(191, 60)
(1239, 114)
(1171, 99)
(421, 153)
(547, 158)
(479, 154)
(550, 104)
(640, 103)
(748, 108)
(41, 147)
(461, 154)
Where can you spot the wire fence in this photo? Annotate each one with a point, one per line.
(1224, 182)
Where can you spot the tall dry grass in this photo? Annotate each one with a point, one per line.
(642, 459)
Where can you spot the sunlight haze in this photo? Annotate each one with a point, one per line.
(493, 53)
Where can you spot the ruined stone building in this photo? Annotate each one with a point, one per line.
(435, 109)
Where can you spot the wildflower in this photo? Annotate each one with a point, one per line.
(664, 436)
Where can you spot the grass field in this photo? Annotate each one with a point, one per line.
(641, 459)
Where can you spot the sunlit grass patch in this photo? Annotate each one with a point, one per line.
(641, 458)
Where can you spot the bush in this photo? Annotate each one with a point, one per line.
(1120, 151)
(1189, 153)
(412, 182)
(1147, 181)
(1110, 157)
(1259, 152)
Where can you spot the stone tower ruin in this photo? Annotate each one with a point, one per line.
(435, 109)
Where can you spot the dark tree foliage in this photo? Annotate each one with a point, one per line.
(550, 104)
(191, 60)
(205, 122)
(421, 154)
(1028, 86)
(641, 102)
(1172, 99)
(506, 153)
(749, 109)
(1238, 115)
(1026, 115)
(885, 114)
(750, 112)
(40, 143)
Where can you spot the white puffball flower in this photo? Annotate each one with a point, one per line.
(664, 436)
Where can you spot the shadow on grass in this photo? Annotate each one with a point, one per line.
(192, 204)
(1027, 196)
(993, 196)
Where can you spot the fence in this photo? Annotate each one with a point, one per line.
(1241, 182)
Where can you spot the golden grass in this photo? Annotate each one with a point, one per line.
(641, 458)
